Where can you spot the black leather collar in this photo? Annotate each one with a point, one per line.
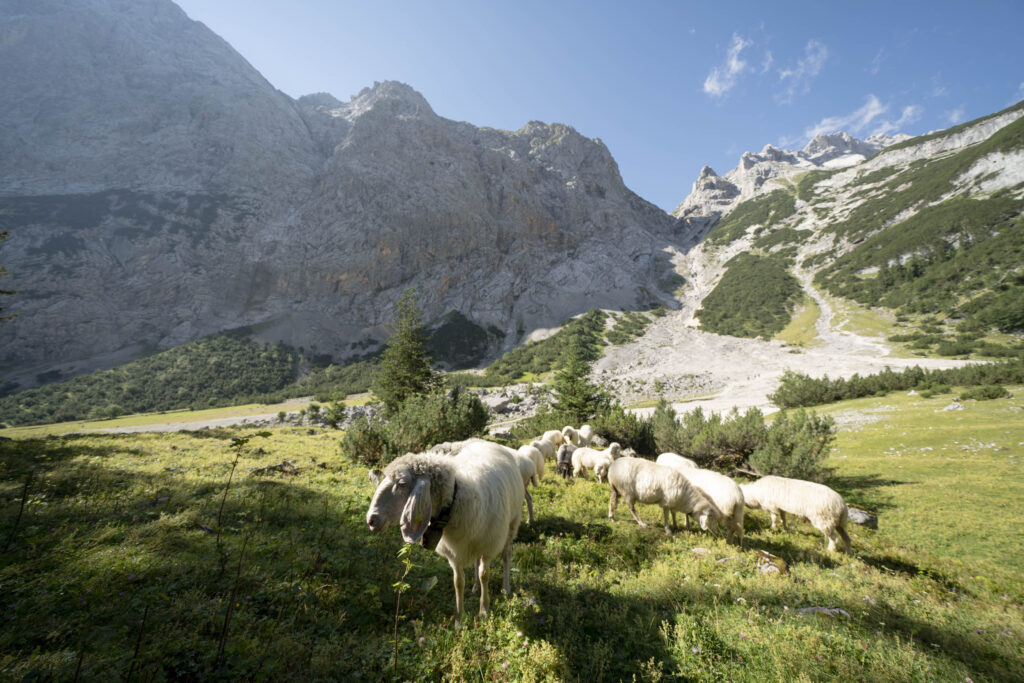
(432, 536)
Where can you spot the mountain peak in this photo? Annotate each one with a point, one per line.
(391, 97)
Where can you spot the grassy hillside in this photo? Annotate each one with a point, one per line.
(214, 371)
(115, 568)
(764, 210)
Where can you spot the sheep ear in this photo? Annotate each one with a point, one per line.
(416, 514)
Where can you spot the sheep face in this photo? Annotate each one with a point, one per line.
(404, 497)
(708, 520)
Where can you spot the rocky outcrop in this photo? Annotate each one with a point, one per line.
(713, 196)
(166, 191)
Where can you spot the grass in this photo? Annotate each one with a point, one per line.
(115, 568)
(802, 330)
(850, 316)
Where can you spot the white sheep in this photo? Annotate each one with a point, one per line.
(528, 470)
(465, 507)
(720, 489)
(676, 462)
(817, 503)
(547, 448)
(585, 458)
(586, 434)
(639, 480)
(554, 436)
(570, 435)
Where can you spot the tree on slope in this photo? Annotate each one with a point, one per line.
(575, 396)
(404, 368)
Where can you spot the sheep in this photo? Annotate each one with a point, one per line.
(585, 458)
(720, 489)
(817, 503)
(586, 434)
(536, 455)
(554, 436)
(528, 470)
(676, 462)
(641, 480)
(564, 459)
(547, 448)
(467, 508)
(570, 435)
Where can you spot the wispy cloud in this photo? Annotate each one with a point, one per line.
(766, 63)
(867, 120)
(876, 63)
(723, 77)
(956, 116)
(853, 122)
(797, 80)
(939, 89)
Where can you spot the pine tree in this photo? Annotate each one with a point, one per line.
(575, 396)
(404, 368)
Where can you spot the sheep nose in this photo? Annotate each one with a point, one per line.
(373, 521)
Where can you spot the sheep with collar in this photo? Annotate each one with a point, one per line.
(817, 503)
(640, 480)
(466, 507)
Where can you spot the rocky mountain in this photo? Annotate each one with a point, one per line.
(158, 189)
(713, 196)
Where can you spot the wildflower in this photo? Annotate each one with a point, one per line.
(422, 640)
(743, 636)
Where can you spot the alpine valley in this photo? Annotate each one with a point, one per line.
(158, 190)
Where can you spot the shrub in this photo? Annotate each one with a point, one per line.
(796, 446)
(420, 422)
(985, 393)
(711, 440)
(616, 424)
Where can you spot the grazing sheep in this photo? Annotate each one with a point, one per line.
(720, 489)
(536, 455)
(585, 458)
(528, 470)
(564, 459)
(465, 507)
(817, 503)
(586, 434)
(570, 435)
(547, 448)
(676, 462)
(641, 480)
(554, 436)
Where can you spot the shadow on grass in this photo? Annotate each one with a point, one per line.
(895, 565)
(560, 526)
(862, 489)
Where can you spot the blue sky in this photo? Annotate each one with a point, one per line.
(668, 86)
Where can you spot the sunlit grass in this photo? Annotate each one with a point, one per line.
(801, 330)
(118, 527)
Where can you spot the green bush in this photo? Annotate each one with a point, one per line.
(796, 446)
(985, 393)
(709, 440)
(421, 421)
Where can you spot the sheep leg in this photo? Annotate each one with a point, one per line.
(613, 502)
(631, 504)
(506, 561)
(529, 507)
(664, 513)
(483, 572)
(782, 514)
(675, 525)
(846, 538)
(460, 585)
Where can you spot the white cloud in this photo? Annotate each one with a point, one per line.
(939, 88)
(797, 80)
(1020, 92)
(766, 64)
(722, 78)
(853, 122)
(908, 115)
(955, 116)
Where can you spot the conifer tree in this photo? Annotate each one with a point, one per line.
(575, 396)
(404, 368)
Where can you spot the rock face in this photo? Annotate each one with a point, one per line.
(158, 189)
(713, 196)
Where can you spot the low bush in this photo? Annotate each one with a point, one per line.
(796, 445)
(420, 422)
(985, 393)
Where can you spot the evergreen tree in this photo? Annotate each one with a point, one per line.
(575, 396)
(404, 368)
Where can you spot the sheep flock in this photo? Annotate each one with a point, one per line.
(464, 500)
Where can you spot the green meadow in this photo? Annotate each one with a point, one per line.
(175, 556)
